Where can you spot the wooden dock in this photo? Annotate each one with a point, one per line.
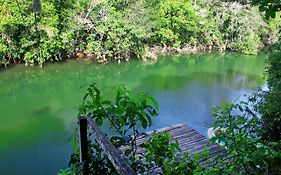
(188, 139)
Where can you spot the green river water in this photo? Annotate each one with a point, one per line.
(38, 106)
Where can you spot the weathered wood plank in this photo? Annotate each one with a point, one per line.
(115, 156)
(84, 158)
(169, 129)
(188, 139)
(37, 6)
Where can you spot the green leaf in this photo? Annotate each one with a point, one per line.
(148, 118)
(240, 108)
(152, 102)
(99, 121)
(106, 102)
(143, 122)
(118, 110)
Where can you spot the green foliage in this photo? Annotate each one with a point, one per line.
(271, 100)
(161, 152)
(121, 30)
(240, 130)
(271, 7)
(34, 38)
(227, 26)
(126, 114)
(209, 33)
(175, 22)
(114, 36)
(68, 171)
(270, 103)
(98, 162)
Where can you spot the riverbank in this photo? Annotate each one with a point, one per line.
(150, 54)
(153, 52)
(121, 30)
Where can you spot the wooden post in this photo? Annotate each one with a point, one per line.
(84, 158)
(37, 6)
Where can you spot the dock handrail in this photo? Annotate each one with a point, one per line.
(116, 157)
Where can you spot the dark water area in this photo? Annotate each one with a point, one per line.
(39, 106)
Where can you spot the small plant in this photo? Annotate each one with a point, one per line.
(127, 115)
(162, 151)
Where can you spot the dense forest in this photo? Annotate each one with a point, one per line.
(120, 30)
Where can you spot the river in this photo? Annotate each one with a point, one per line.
(39, 106)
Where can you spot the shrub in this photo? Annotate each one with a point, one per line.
(240, 131)
(271, 100)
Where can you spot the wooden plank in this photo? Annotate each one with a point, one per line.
(37, 6)
(187, 135)
(178, 133)
(84, 158)
(188, 139)
(114, 155)
(190, 146)
(192, 140)
(169, 129)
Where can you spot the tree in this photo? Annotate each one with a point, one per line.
(271, 7)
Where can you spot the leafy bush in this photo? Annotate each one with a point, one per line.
(271, 7)
(269, 107)
(175, 22)
(240, 131)
(128, 115)
(233, 21)
(34, 37)
(115, 37)
(162, 151)
(209, 33)
(125, 115)
(111, 30)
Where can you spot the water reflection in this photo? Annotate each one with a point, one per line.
(39, 106)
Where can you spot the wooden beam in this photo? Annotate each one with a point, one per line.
(84, 157)
(116, 157)
(37, 6)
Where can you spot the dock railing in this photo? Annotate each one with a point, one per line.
(116, 157)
